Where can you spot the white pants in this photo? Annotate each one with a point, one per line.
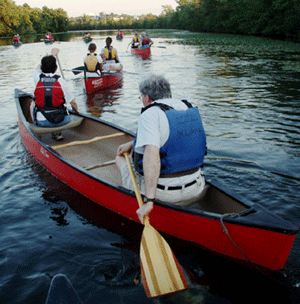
(182, 197)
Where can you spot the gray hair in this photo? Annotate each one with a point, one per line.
(156, 87)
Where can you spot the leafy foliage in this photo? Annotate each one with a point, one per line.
(26, 20)
(273, 18)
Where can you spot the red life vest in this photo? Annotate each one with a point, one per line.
(48, 92)
(146, 40)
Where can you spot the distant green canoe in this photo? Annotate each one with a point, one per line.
(87, 40)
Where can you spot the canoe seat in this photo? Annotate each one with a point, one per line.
(75, 121)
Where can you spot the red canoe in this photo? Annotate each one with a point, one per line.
(141, 52)
(101, 83)
(219, 222)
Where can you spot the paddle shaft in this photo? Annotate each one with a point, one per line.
(136, 188)
(62, 74)
(80, 69)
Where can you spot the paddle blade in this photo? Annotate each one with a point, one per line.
(78, 70)
(161, 272)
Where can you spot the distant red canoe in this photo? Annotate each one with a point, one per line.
(141, 52)
(218, 221)
(101, 83)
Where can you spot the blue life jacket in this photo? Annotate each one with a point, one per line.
(186, 146)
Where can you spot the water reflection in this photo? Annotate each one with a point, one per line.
(97, 101)
(58, 211)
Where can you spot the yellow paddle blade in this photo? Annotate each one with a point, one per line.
(161, 272)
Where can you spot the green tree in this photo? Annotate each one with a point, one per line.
(26, 25)
(36, 17)
(10, 17)
(54, 20)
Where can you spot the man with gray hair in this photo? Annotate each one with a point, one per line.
(168, 149)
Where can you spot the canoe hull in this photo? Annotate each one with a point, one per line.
(259, 236)
(17, 44)
(49, 41)
(141, 52)
(87, 40)
(101, 83)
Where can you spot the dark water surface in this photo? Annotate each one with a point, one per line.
(248, 93)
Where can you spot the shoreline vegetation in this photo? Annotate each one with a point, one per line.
(278, 19)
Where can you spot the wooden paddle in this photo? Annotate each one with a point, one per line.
(161, 272)
(78, 70)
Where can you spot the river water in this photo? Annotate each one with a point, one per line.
(247, 90)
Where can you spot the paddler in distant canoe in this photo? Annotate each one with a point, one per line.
(49, 37)
(135, 40)
(16, 39)
(145, 42)
(110, 57)
(93, 63)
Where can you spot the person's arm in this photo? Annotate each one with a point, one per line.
(37, 73)
(100, 60)
(151, 168)
(69, 98)
(117, 57)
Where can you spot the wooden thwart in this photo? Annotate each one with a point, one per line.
(161, 272)
(84, 142)
(108, 163)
